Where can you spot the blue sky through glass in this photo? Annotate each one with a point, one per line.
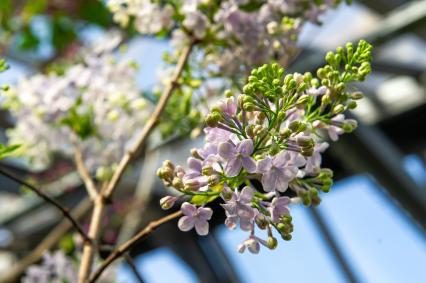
(382, 243)
(159, 266)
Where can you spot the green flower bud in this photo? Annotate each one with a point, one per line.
(207, 170)
(339, 108)
(281, 116)
(212, 119)
(286, 237)
(228, 93)
(351, 105)
(272, 243)
(213, 180)
(330, 58)
(249, 106)
(357, 95)
(285, 134)
(261, 221)
(321, 73)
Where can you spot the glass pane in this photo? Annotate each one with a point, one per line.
(152, 265)
(380, 241)
(304, 259)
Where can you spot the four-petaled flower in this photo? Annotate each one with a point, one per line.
(279, 208)
(237, 157)
(195, 217)
(279, 170)
(238, 208)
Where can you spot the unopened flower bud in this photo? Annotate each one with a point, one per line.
(351, 105)
(349, 125)
(281, 116)
(207, 170)
(192, 185)
(286, 237)
(177, 183)
(272, 243)
(284, 134)
(249, 106)
(213, 119)
(167, 202)
(261, 221)
(195, 154)
(213, 180)
(228, 93)
(303, 99)
(339, 108)
(357, 95)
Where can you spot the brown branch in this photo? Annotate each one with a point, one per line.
(133, 267)
(16, 270)
(50, 200)
(84, 173)
(105, 194)
(125, 247)
(150, 124)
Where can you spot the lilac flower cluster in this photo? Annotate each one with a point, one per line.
(263, 148)
(94, 105)
(234, 34)
(57, 267)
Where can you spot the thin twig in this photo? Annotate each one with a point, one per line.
(84, 173)
(133, 267)
(125, 247)
(50, 200)
(105, 194)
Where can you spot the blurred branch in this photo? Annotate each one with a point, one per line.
(50, 200)
(49, 241)
(105, 194)
(84, 173)
(125, 247)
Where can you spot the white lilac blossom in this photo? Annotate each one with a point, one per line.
(236, 35)
(263, 149)
(94, 105)
(57, 267)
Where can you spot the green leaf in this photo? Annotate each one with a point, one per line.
(81, 123)
(6, 151)
(203, 199)
(3, 65)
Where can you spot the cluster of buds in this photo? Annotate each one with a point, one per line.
(263, 148)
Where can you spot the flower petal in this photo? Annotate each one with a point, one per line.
(201, 227)
(281, 183)
(195, 164)
(245, 147)
(227, 150)
(281, 159)
(249, 164)
(233, 167)
(205, 213)
(186, 223)
(269, 180)
(188, 209)
(246, 195)
(264, 165)
(231, 222)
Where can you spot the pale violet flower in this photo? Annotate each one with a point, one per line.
(195, 217)
(238, 209)
(238, 157)
(279, 170)
(278, 208)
